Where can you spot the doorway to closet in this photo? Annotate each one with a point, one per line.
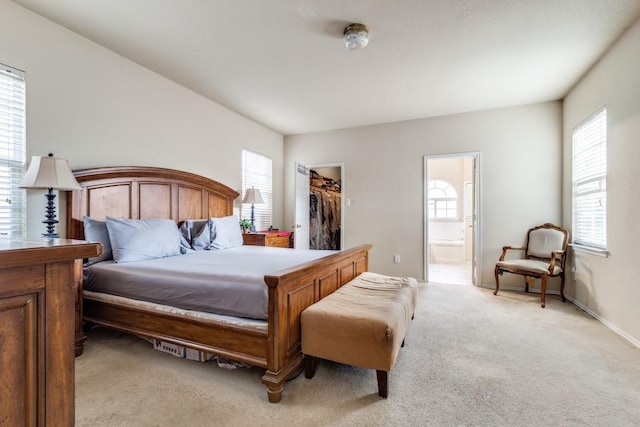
(451, 218)
(319, 205)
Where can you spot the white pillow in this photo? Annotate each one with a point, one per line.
(140, 239)
(225, 232)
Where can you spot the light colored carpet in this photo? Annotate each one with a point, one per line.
(470, 359)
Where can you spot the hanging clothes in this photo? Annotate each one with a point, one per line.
(324, 212)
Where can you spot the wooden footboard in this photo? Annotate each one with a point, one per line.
(290, 292)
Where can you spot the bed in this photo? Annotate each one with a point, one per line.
(149, 192)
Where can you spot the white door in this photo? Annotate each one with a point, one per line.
(301, 227)
(474, 226)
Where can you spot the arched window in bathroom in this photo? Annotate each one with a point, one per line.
(443, 200)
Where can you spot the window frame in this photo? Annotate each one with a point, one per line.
(261, 179)
(13, 203)
(436, 204)
(589, 184)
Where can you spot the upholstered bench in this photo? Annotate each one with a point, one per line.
(363, 324)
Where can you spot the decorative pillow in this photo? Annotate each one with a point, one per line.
(140, 239)
(196, 233)
(96, 231)
(185, 246)
(225, 232)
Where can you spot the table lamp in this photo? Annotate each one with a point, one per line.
(49, 173)
(253, 196)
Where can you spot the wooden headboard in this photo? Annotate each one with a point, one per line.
(140, 192)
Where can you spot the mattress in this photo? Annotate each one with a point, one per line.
(228, 282)
(257, 324)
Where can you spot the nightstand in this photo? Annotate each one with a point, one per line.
(275, 239)
(38, 285)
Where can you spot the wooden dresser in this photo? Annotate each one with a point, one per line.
(37, 331)
(275, 239)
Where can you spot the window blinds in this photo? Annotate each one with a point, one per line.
(12, 151)
(256, 173)
(590, 181)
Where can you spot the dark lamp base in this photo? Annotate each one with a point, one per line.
(50, 216)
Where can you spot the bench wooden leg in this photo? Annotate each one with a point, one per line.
(383, 385)
(310, 364)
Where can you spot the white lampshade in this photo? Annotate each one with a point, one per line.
(252, 196)
(49, 172)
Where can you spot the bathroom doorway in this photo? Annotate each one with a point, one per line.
(451, 216)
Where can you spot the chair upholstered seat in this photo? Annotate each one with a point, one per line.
(529, 265)
(544, 255)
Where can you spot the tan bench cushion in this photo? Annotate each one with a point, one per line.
(363, 323)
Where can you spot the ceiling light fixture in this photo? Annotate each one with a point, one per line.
(356, 36)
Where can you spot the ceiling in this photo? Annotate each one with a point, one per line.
(282, 63)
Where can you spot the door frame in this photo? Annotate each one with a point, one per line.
(476, 256)
(299, 237)
(342, 192)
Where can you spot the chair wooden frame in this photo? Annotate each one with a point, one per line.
(556, 258)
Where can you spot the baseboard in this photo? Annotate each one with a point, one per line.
(605, 322)
(587, 310)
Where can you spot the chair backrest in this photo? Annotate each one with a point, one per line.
(544, 239)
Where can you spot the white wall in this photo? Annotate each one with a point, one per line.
(609, 287)
(520, 150)
(96, 108)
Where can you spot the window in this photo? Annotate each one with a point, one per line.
(590, 182)
(12, 151)
(443, 200)
(256, 173)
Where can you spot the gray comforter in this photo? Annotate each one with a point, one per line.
(229, 281)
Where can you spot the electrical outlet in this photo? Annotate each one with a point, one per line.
(396, 259)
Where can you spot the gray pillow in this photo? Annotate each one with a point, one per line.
(96, 231)
(225, 232)
(140, 239)
(196, 233)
